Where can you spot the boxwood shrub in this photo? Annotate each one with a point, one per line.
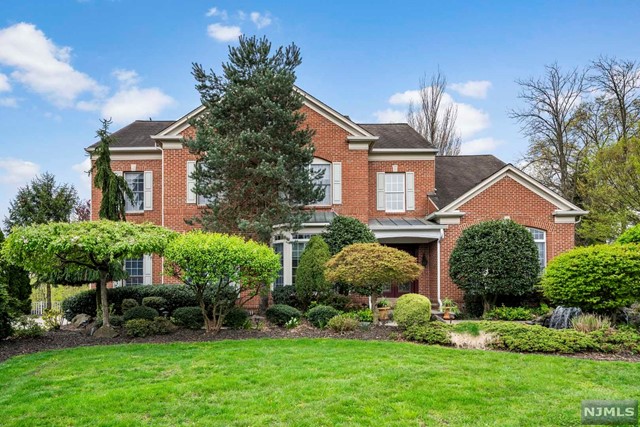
(127, 304)
(279, 314)
(343, 323)
(159, 303)
(320, 315)
(237, 318)
(188, 317)
(412, 310)
(146, 327)
(141, 312)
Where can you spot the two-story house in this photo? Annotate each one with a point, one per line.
(385, 175)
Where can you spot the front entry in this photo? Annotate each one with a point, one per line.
(395, 290)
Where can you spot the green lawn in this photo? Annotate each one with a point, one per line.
(302, 383)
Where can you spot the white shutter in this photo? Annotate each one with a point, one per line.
(337, 183)
(118, 173)
(380, 191)
(411, 197)
(147, 270)
(191, 183)
(148, 190)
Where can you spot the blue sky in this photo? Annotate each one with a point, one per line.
(65, 64)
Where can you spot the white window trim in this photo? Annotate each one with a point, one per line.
(124, 174)
(404, 192)
(543, 240)
(287, 255)
(318, 161)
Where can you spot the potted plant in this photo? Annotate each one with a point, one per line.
(384, 306)
(449, 308)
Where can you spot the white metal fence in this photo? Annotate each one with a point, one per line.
(38, 307)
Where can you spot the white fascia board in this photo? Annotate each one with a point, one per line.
(578, 212)
(397, 234)
(404, 150)
(179, 125)
(359, 138)
(451, 214)
(127, 149)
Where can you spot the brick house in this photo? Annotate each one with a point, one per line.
(385, 175)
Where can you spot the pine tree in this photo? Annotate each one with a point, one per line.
(254, 148)
(114, 188)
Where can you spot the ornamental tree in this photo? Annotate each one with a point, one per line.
(344, 231)
(367, 268)
(495, 258)
(255, 150)
(310, 281)
(228, 268)
(94, 246)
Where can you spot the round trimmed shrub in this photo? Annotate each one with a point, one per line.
(188, 317)
(343, 323)
(128, 304)
(141, 312)
(412, 310)
(159, 303)
(598, 278)
(236, 318)
(320, 315)
(138, 327)
(279, 314)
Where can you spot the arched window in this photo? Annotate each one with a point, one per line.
(540, 238)
(324, 182)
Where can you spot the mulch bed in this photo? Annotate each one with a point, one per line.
(69, 337)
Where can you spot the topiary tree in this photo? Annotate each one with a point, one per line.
(367, 268)
(344, 231)
(310, 281)
(412, 310)
(495, 258)
(231, 269)
(92, 246)
(631, 235)
(600, 278)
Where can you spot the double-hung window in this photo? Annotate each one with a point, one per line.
(135, 181)
(323, 182)
(394, 192)
(540, 239)
(135, 268)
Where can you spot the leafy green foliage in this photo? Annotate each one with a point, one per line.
(237, 318)
(17, 283)
(412, 310)
(286, 295)
(146, 327)
(430, 333)
(188, 317)
(631, 235)
(114, 188)
(141, 312)
(320, 315)
(364, 315)
(254, 147)
(26, 327)
(344, 231)
(311, 285)
(343, 323)
(129, 303)
(159, 303)
(510, 313)
(52, 319)
(279, 314)
(236, 270)
(495, 258)
(6, 313)
(598, 278)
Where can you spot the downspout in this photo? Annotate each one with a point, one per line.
(438, 272)
(161, 204)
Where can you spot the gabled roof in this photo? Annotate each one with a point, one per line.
(396, 135)
(137, 134)
(455, 175)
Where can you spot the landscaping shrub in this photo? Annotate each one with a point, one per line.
(146, 327)
(52, 319)
(279, 314)
(535, 338)
(141, 312)
(236, 318)
(495, 258)
(5, 313)
(510, 313)
(343, 323)
(590, 323)
(188, 317)
(159, 303)
(599, 278)
(412, 310)
(27, 327)
(364, 315)
(473, 306)
(286, 295)
(617, 340)
(320, 315)
(469, 328)
(344, 231)
(311, 285)
(430, 333)
(128, 304)
(631, 235)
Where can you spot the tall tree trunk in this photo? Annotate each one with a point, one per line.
(207, 321)
(103, 295)
(98, 296)
(48, 285)
(374, 307)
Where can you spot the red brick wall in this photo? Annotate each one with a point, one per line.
(505, 198)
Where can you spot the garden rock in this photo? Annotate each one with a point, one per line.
(81, 320)
(106, 332)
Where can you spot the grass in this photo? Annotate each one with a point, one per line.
(302, 382)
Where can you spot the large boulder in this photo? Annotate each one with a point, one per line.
(81, 320)
(106, 332)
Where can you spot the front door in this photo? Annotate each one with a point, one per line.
(395, 290)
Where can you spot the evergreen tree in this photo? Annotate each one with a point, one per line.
(310, 281)
(344, 231)
(15, 280)
(254, 148)
(114, 188)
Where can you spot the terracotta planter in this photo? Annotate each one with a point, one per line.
(383, 313)
(447, 315)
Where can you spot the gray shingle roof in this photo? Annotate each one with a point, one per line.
(400, 222)
(455, 175)
(396, 135)
(138, 133)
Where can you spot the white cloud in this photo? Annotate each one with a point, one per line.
(82, 168)
(42, 66)
(470, 120)
(472, 88)
(224, 33)
(126, 78)
(214, 11)
(260, 20)
(17, 172)
(480, 146)
(88, 105)
(9, 102)
(133, 103)
(5, 86)
(391, 116)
